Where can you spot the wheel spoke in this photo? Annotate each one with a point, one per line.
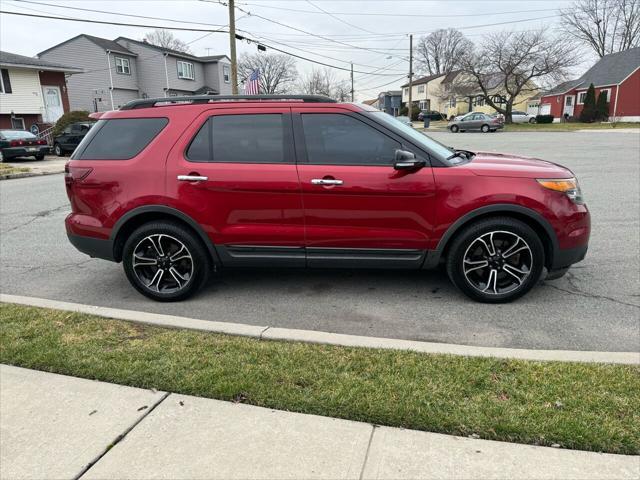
(140, 261)
(493, 281)
(489, 247)
(475, 265)
(157, 245)
(180, 280)
(155, 281)
(513, 271)
(179, 255)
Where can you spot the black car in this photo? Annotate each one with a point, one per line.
(431, 115)
(20, 143)
(70, 137)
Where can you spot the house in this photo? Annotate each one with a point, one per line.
(32, 91)
(617, 74)
(118, 71)
(372, 102)
(390, 102)
(462, 94)
(424, 92)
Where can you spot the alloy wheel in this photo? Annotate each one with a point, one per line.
(497, 262)
(162, 263)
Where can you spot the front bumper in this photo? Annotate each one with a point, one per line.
(564, 258)
(13, 152)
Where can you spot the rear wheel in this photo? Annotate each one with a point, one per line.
(165, 261)
(57, 149)
(485, 128)
(496, 260)
(455, 128)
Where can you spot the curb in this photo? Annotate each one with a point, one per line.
(310, 336)
(11, 176)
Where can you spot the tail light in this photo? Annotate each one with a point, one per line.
(16, 143)
(42, 141)
(76, 174)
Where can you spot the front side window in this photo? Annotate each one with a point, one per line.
(122, 66)
(119, 138)
(226, 73)
(185, 70)
(258, 138)
(336, 139)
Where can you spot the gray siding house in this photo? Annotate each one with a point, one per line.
(118, 71)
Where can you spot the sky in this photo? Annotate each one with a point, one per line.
(373, 34)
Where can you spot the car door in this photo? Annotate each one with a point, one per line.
(63, 139)
(234, 173)
(468, 122)
(518, 117)
(359, 211)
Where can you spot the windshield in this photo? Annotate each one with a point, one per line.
(441, 151)
(9, 134)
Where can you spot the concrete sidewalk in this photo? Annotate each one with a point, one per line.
(53, 426)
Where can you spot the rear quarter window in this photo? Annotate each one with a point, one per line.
(119, 138)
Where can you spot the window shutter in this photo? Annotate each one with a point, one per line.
(6, 81)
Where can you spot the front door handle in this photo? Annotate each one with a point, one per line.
(326, 181)
(192, 178)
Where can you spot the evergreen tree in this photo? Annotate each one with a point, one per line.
(589, 111)
(602, 107)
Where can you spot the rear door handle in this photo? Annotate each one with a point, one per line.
(326, 181)
(192, 178)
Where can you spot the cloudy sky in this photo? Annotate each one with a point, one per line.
(372, 34)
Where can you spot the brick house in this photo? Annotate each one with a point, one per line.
(32, 91)
(617, 74)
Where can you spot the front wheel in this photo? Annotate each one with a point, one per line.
(496, 260)
(454, 128)
(57, 149)
(532, 120)
(165, 261)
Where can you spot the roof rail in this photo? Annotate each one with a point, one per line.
(192, 99)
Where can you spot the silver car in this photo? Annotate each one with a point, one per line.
(475, 121)
(518, 116)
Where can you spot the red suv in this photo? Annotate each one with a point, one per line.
(178, 187)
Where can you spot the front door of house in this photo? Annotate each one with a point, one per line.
(53, 108)
(569, 101)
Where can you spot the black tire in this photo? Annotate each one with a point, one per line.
(40, 157)
(504, 228)
(198, 268)
(532, 120)
(454, 128)
(485, 128)
(57, 149)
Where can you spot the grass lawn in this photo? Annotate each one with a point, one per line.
(581, 406)
(566, 127)
(8, 169)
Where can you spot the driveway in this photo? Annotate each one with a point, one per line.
(50, 164)
(595, 307)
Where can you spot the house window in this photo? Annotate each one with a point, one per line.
(581, 97)
(17, 123)
(185, 70)
(122, 66)
(5, 81)
(420, 88)
(478, 101)
(452, 102)
(226, 73)
(607, 92)
(406, 91)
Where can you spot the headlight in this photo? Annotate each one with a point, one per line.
(568, 186)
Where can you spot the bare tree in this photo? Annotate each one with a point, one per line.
(165, 39)
(441, 51)
(324, 82)
(277, 72)
(509, 64)
(606, 26)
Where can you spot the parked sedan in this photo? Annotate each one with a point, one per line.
(70, 137)
(522, 117)
(475, 121)
(20, 143)
(431, 115)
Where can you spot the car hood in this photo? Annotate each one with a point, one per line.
(503, 165)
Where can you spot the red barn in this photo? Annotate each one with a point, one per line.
(618, 74)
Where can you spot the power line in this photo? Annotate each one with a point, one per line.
(337, 18)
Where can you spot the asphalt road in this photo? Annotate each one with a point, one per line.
(595, 307)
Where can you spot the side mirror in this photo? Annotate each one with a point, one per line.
(407, 161)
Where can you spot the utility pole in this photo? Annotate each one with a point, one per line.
(352, 99)
(410, 74)
(232, 45)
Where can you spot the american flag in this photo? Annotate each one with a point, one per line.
(251, 86)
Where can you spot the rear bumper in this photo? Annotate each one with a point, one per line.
(564, 258)
(94, 247)
(13, 152)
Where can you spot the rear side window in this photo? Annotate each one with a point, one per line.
(336, 139)
(251, 138)
(119, 138)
